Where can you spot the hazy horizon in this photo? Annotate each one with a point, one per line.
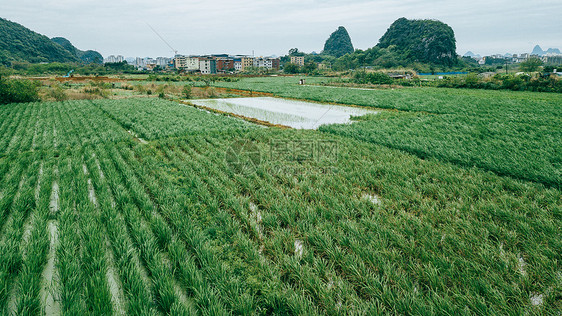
(273, 27)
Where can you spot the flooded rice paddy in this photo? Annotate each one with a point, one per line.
(296, 114)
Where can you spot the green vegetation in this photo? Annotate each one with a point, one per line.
(52, 126)
(86, 57)
(17, 91)
(20, 44)
(156, 118)
(109, 224)
(61, 69)
(425, 41)
(515, 134)
(363, 77)
(291, 68)
(423, 45)
(522, 82)
(338, 44)
(17, 43)
(531, 64)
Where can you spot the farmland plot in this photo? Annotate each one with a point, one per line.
(510, 133)
(54, 125)
(173, 227)
(296, 114)
(155, 118)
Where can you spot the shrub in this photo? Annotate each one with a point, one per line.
(17, 91)
(186, 91)
(372, 77)
(57, 93)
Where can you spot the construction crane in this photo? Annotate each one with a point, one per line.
(163, 40)
(68, 74)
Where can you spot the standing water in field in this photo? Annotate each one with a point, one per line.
(296, 114)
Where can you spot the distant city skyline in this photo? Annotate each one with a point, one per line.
(273, 27)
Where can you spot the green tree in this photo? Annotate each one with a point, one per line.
(309, 67)
(295, 52)
(186, 91)
(530, 65)
(291, 68)
(16, 91)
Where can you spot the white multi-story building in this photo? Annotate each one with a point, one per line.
(187, 63)
(139, 62)
(114, 59)
(208, 66)
(264, 62)
(259, 62)
(238, 64)
(162, 62)
(192, 63)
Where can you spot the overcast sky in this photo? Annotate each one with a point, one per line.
(273, 27)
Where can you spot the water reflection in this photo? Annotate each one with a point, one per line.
(296, 114)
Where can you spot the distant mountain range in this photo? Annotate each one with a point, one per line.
(18, 43)
(471, 54)
(538, 51)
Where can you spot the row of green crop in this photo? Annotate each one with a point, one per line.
(54, 125)
(408, 255)
(187, 234)
(143, 226)
(34, 247)
(191, 216)
(155, 118)
(526, 148)
(510, 133)
(135, 285)
(18, 201)
(443, 101)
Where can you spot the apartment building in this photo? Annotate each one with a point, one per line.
(237, 64)
(114, 59)
(207, 65)
(266, 62)
(298, 60)
(247, 63)
(186, 62)
(225, 64)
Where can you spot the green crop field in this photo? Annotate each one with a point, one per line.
(212, 216)
(510, 133)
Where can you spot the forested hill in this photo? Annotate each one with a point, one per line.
(339, 43)
(425, 41)
(18, 43)
(420, 44)
(89, 56)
